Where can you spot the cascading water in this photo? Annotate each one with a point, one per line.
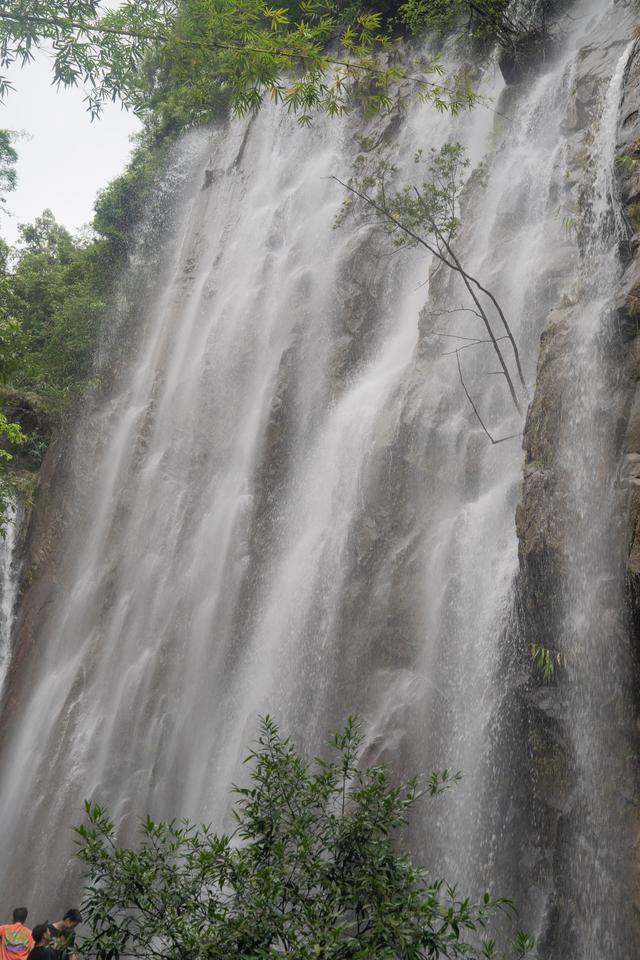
(8, 591)
(291, 507)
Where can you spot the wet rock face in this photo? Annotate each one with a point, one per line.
(522, 59)
(524, 54)
(546, 508)
(628, 175)
(40, 535)
(541, 513)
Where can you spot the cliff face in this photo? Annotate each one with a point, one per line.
(593, 651)
(542, 513)
(628, 313)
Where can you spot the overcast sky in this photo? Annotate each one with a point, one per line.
(68, 158)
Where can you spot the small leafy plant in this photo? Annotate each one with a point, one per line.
(546, 659)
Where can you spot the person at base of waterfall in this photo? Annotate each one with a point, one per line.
(41, 934)
(63, 933)
(15, 939)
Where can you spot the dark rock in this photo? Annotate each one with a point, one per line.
(628, 141)
(628, 301)
(210, 177)
(524, 56)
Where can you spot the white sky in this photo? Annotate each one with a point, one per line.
(68, 158)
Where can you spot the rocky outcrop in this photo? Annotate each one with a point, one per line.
(546, 509)
(541, 513)
(525, 49)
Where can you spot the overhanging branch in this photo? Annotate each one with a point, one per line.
(493, 440)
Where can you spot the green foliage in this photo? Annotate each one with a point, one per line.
(546, 660)
(429, 207)
(483, 20)
(50, 299)
(438, 15)
(626, 163)
(8, 159)
(120, 206)
(52, 290)
(632, 212)
(11, 341)
(102, 52)
(179, 61)
(11, 436)
(313, 870)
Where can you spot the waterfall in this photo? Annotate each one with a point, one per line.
(286, 504)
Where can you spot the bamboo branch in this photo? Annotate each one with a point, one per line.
(65, 23)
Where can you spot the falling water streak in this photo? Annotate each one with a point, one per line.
(8, 590)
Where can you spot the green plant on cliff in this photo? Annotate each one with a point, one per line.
(546, 660)
(313, 871)
(478, 19)
(482, 23)
(8, 160)
(54, 288)
(11, 341)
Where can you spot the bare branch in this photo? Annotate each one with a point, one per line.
(441, 313)
(454, 336)
(455, 266)
(514, 346)
(468, 280)
(511, 436)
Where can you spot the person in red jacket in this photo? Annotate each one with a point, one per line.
(16, 941)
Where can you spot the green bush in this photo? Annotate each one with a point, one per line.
(314, 870)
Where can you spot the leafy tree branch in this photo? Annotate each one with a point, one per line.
(313, 871)
(245, 50)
